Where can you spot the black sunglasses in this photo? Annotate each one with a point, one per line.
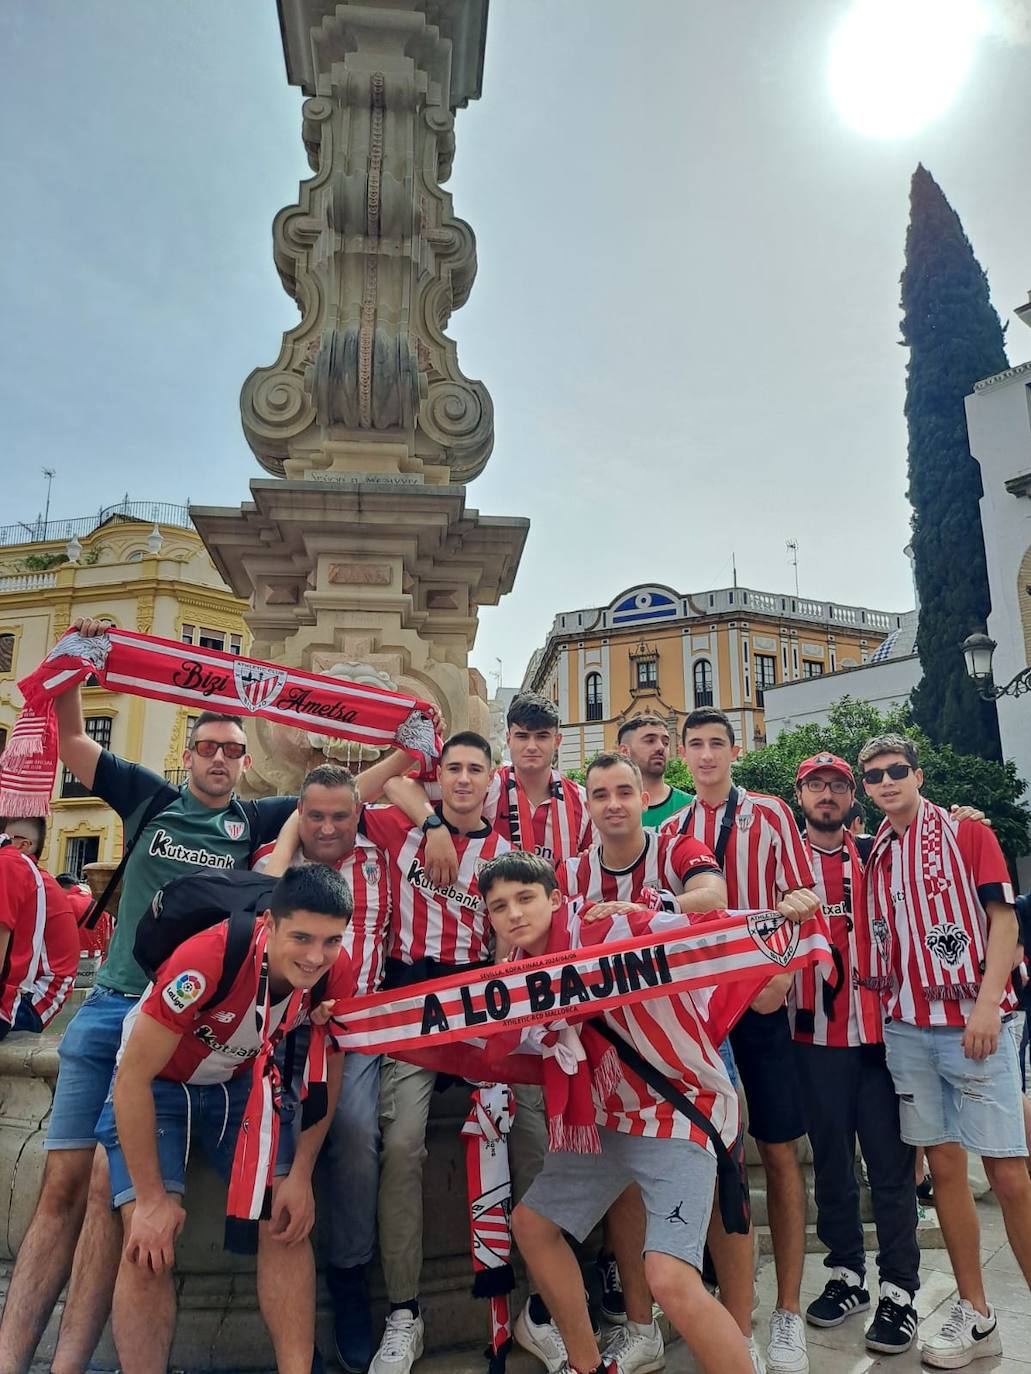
(208, 748)
(896, 771)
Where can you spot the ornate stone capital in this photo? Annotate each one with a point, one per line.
(374, 257)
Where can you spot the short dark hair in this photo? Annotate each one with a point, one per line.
(38, 821)
(517, 866)
(856, 812)
(213, 718)
(311, 887)
(611, 759)
(706, 715)
(638, 723)
(471, 740)
(532, 712)
(328, 775)
(67, 880)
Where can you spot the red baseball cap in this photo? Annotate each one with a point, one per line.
(819, 761)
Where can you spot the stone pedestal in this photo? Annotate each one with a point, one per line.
(359, 557)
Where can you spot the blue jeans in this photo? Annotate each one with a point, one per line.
(89, 1049)
(351, 1154)
(945, 1097)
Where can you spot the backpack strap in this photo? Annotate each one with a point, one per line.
(731, 1180)
(238, 942)
(158, 802)
(726, 826)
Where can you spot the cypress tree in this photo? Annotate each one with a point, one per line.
(954, 339)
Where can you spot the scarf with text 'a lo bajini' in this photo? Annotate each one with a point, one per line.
(209, 679)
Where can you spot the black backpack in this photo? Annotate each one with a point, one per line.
(195, 902)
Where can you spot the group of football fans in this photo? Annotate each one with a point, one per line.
(904, 1041)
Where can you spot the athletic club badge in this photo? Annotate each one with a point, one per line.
(234, 829)
(743, 822)
(775, 935)
(370, 871)
(257, 684)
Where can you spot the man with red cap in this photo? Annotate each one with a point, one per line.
(846, 1086)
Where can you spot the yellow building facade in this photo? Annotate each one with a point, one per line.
(144, 567)
(653, 649)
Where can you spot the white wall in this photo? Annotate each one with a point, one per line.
(809, 700)
(999, 425)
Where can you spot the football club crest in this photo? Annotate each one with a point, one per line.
(775, 935)
(880, 933)
(234, 829)
(743, 822)
(371, 871)
(257, 684)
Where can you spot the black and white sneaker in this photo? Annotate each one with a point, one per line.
(613, 1306)
(843, 1294)
(893, 1328)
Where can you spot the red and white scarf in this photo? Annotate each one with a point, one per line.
(459, 1024)
(144, 665)
(489, 1184)
(565, 806)
(254, 1162)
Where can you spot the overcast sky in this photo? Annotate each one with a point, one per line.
(686, 309)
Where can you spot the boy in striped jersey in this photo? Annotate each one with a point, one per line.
(839, 1050)
(939, 945)
(39, 941)
(643, 1139)
(766, 867)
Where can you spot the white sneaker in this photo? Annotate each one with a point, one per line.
(541, 1339)
(757, 1363)
(786, 1352)
(401, 1345)
(965, 1336)
(635, 1349)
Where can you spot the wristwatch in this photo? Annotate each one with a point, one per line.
(433, 822)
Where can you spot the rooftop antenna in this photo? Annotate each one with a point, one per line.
(792, 547)
(733, 564)
(49, 474)
(499, 675)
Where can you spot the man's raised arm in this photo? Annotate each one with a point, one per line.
(79, 752)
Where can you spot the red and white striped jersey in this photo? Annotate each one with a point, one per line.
(218, 1041)
(367, 873)
(43, 949)
(447, 924)
(854, 1016)
(764, 858)
(671, 1033)
(59, 957)
(926, 893)
(665, 862)
(556, 829)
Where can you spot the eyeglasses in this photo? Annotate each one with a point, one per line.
(837, 785)
(895, 771)
(208, 748)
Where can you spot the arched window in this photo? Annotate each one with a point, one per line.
(703, 682)
(592, 697)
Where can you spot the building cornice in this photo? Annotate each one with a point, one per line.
(1002, 378)
(1021, 484)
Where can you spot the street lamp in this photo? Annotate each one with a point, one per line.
(978, 650)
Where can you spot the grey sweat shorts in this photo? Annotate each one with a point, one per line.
(676, 1179)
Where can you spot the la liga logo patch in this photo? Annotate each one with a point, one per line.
(184, 990)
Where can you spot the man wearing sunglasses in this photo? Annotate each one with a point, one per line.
(200, 825)
(846, 1087)
(939, 946)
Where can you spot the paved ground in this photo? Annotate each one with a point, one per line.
(841, 1350)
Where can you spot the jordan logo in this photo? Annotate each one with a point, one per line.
(675, 1215)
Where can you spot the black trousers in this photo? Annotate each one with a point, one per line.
(849, 1093)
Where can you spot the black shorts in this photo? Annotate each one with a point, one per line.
(765, 1061)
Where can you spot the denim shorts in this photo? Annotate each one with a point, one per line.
(89, 1049)
(676, 1178)
(190, 1114)
(946, 1098)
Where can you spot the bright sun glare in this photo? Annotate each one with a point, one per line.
(895, 65)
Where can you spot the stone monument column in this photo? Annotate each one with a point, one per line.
(358, 553)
